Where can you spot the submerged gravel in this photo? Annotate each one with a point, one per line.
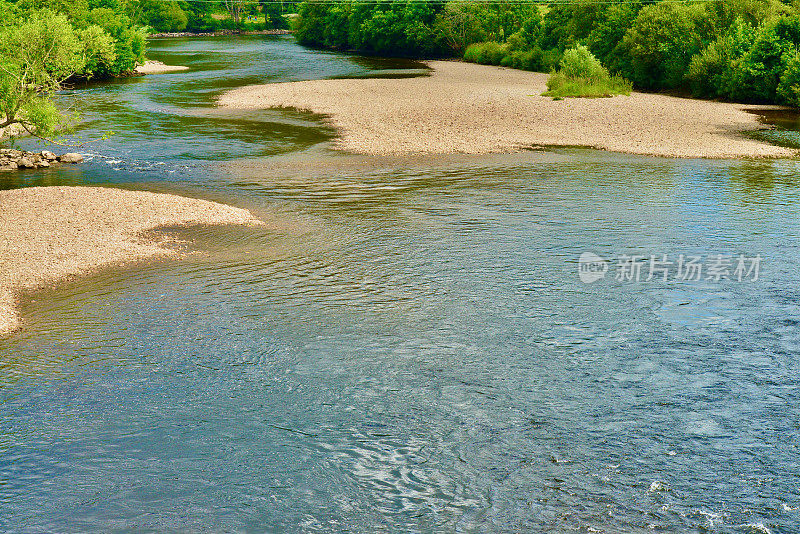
(48, 234)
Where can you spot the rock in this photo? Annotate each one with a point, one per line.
(12, 153)
(71, 157)
(49, 156)
(25, 163)
(10, 166)
(43, 163)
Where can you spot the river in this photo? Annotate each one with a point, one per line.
(408, 345)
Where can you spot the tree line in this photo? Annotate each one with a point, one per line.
(45, 43)
(740, 50)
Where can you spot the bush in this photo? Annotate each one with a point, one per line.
(582, 75)
(164, 16)
(99, 51)
(579, 62)
(37, 56)
(605, 37)
(561, 86)
(490, 53)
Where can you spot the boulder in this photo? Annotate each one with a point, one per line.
(10, 166)
(25, 163)
(71, 157)
(49, 156)
(12, 153)
(43, 163)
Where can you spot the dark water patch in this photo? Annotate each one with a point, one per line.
(785, 126)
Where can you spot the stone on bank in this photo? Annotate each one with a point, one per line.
(12, 159)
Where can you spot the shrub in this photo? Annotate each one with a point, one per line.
(561, 86)
(582, 75)
(489, 53)
(605, 37)
(164, 16)
(37, 55)
(579, 62)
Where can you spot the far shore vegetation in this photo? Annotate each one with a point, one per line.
(45, 44)
(735, 50)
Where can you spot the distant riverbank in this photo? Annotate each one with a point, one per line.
(474, 109)
(219, 33)
(52, 233)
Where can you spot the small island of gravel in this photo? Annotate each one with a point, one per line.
(157, 67)
(51, 233)
(475, 109)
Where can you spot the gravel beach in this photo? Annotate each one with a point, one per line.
(156, 67)
(52, 233)
(476, 109)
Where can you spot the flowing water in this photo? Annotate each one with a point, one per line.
(407, 346)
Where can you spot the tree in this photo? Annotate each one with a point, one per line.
(273, 14)
(235, 8)
(36, 57)
(661, 43)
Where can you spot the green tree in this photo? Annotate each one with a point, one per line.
(36, 57)
(661, 43)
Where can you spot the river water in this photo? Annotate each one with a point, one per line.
(407, 346)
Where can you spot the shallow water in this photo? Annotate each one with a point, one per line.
(407, 346)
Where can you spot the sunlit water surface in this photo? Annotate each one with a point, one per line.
(407, 345)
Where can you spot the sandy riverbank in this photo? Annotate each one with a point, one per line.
(156, 67)
(473, 109)
(48, 234)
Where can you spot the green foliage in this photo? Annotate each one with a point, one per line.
(385, 27)
(757, 73)
(163, 16)
(605, 37)
(661, 43)
(579, 62)
(36, 56)
(711, 72)
(99, 50)
(272, 15)
(733, 49)
(789, 84)
(724, 13)
(561, 86)
(490, 53)
(582, 75)
(536, 60)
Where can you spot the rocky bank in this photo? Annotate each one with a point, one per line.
(12, 159)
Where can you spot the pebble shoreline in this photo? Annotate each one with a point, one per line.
(48, 234)
(477, 109)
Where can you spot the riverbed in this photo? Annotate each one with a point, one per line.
(408, 344)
